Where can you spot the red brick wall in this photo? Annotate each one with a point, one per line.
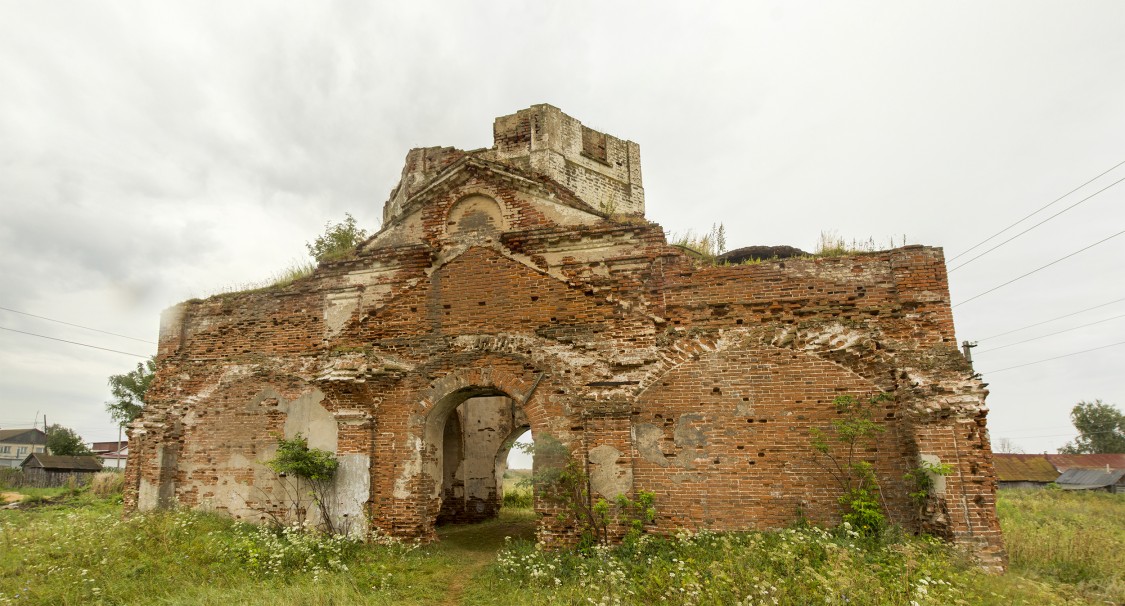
(734, 430)
(706, 379)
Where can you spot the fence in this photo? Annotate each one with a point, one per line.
(39, 478)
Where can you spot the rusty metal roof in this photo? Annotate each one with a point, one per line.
(1063, 462)
(1023, 468)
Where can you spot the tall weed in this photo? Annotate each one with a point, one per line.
(1071, 537)
(107, 483)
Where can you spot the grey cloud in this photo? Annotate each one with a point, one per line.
(150, 152)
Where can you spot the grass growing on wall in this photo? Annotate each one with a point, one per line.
(1065, 549)
(296, 270)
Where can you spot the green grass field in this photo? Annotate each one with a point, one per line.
(1066, 548)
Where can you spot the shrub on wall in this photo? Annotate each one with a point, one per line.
(839, 451)
(306, 472)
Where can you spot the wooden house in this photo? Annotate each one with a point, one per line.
(45, 471)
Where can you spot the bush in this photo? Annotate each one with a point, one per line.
(839, 452)
(518, 497)
(337, 241)
(296, 462)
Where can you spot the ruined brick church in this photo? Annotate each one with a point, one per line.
(520, 287)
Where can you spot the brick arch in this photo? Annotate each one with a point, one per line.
(674, 356)
(516, 386)
(412, 418)
(874, 364)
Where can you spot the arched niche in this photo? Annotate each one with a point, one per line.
(475, 213)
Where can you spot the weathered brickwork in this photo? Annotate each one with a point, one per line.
(519, 287)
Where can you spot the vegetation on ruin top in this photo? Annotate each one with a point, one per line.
(711, 247)
(338, 242)
(832, 244)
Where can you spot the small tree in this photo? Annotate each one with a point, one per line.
(129, 391)
(1007, 446)
(337, 240)
(561, 479)
(298, 464)
(1101, 429)
(855, 476)
(64, 441)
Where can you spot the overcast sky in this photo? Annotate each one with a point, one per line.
(153, 152)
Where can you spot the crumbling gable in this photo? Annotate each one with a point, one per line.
(519, 287)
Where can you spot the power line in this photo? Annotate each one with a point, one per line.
(970, 249)
(1041, 268)
(1054, 358)
(1051, 320)
(1054, 435)
(1051, 334)
(1074, 433)
(1037, 224)
(106, 332)
(76, 343)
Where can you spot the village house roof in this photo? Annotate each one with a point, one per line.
(62, 463)
(1086, 479)
(1023, 468)
(23, 436)
(1063, 462)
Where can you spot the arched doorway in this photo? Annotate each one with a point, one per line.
(467, 434)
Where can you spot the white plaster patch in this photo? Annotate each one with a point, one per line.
(938, 479)
(148, 493)
(647, 438)
(607, 478)
(351, 490)
(308, 417)
(410, 470)
(338, 308)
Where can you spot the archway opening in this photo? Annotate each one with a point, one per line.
(514, 466)
(472, 450)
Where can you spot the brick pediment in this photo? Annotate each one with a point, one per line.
(522, 201)
(471, 167)
(483, 291)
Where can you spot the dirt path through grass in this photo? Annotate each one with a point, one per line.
(474, 546)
